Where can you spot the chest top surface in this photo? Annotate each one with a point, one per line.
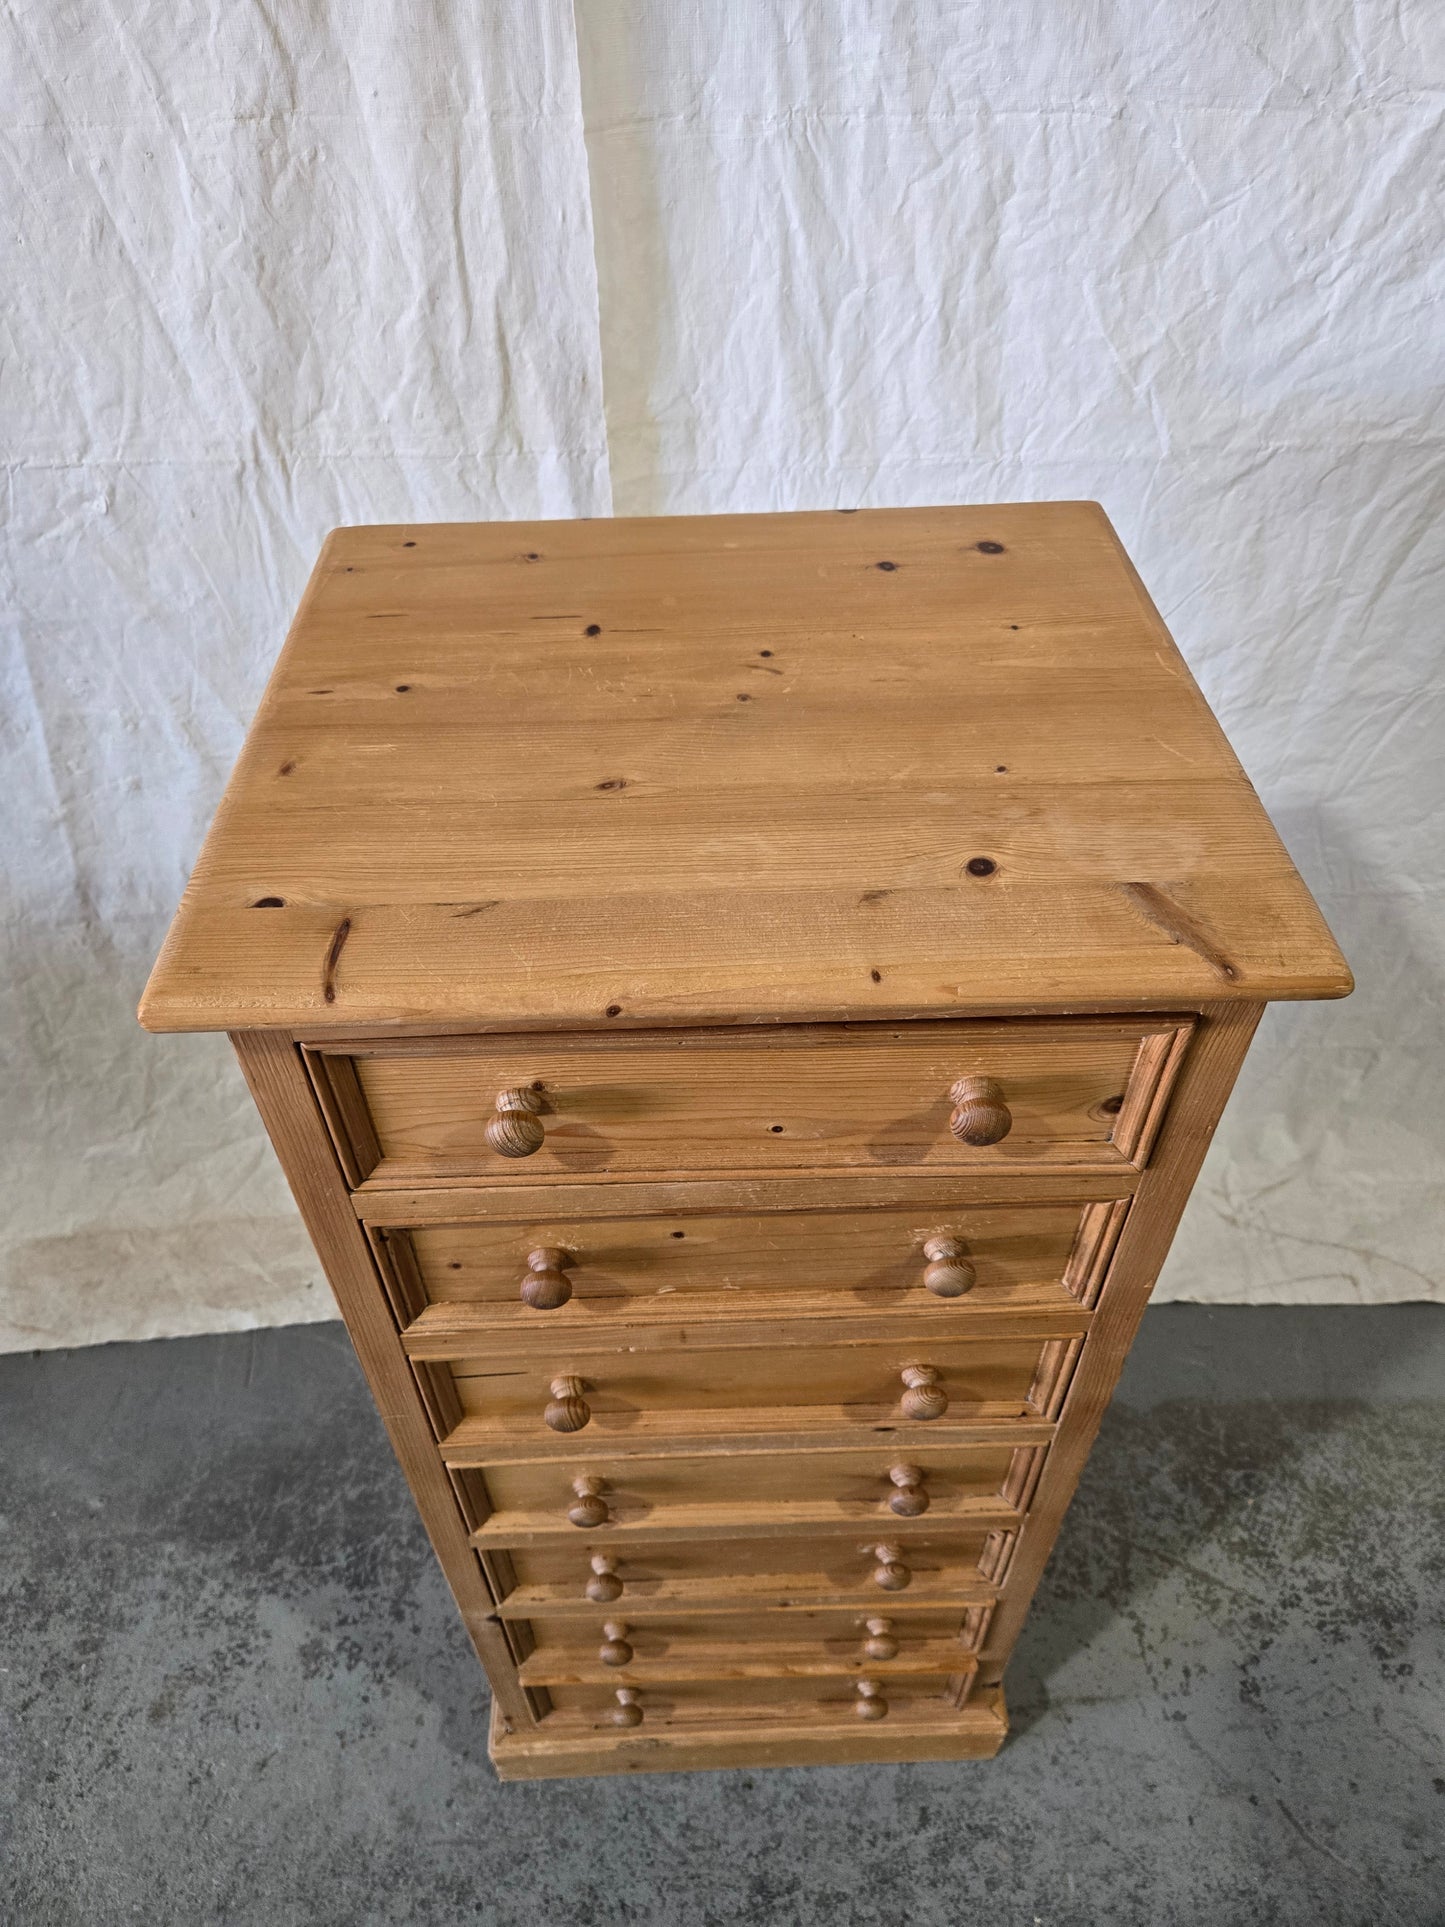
(727, 769)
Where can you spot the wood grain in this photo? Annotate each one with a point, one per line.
(803, 1642)
(634, 1266)
(800, 1096)
(298, 1131)
(1199, 1100)
(762, 1699)
(930, 1196)
(894, 1383)
(729, 1652)
(338, 1092)
(714, 1434)
(769, 1575)
(515, 1335)
(779, 783)
(567, 1747)
(742, 1495)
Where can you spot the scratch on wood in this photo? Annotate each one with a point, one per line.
(476, 909)
(1179, 926)
(333, 957)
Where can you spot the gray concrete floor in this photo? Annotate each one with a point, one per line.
(235, 1689)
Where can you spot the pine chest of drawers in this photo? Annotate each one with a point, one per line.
(741, 1003)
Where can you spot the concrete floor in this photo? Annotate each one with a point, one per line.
(235, 1689)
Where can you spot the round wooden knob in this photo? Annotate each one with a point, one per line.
(980, 1115)
(871, 1703)
(567, 1410)
(546, 1285)
(948, 1273)
(604, 1586)
(881, 1642)
(628, 1711)
(910, 1500)
(890, 1573)
(589, 1509)
(923, 1398)
(515, 1131)
(614, 1650)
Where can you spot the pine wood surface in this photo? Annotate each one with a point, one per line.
(480, 1438)
(714, 1435)
(837, 1632)
(283, 1094)
(960, 1510)
(812, 1573)
(679, 1495)
(949, 1568)
(638, 1266)
(695, 1320)
(732, 769)
(852, 1482)
(572, 1746)
(1209, 1074)
(729, 1652)
(761, 1699)
(939, 1197)
(1082, 1093)
(861, 1380)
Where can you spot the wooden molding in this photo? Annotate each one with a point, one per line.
(348, 1120)
(296, 1124)
(1205, 1082)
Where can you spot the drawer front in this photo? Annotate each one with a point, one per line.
(910, 1390)
(879, 1488)
(760, 1702)
(929, 1566)
(1084, 1093)
(611, 1647)
(996, 1256)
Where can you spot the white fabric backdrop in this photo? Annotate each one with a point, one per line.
(271, 273)
(1174, 255)
(269, 270)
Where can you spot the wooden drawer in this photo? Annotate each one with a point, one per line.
(610, 1647)
(760, 1702)
(706, 1382)
(1083, 1093)
(999, 1258)
(714, 1729)
(959, 1567)
(759, 1494)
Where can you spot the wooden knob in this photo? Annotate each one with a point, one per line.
(890, 1573)
(871, 1703)
(546, 1285)
(614, 1650)
(910, 1500)
(590, 1509)
(567, 1410)
(604, 1586)
(880, 1643)
(628, 1711)
(924, 1397)
(515, 1131)
(980, 1115)
(948, 1273)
